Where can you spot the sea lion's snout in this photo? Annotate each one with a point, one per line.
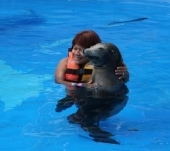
(96, 57)
(102, 53)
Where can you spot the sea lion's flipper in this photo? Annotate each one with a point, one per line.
(75, 118)
(95, 131)
(72, 119)
(99, 135)
(106, 140)
(64, 104)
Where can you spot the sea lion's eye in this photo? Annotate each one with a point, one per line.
(113, 51)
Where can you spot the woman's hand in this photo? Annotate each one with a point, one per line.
(122, 72)
(90, 85)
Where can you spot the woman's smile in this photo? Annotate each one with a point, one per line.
(80, 59)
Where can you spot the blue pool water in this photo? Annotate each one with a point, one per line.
(35, 35)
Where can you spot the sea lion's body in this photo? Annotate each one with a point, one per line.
(105, 58)
(105, 100)
(109, 96)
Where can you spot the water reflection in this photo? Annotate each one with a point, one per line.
(91, 109)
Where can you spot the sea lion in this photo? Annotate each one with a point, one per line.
(109, 96)
(105, 58)
(107, 99)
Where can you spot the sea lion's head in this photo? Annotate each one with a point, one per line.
(104, 55)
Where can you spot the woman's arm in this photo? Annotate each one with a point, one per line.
(60, 72)
(123, 72)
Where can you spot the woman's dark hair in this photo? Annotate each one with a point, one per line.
(86, 39)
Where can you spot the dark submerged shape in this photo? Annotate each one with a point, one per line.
(29, 17)
(127, 21)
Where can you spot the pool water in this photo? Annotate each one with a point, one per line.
(34, 36)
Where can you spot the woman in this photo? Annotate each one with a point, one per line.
(75, 70)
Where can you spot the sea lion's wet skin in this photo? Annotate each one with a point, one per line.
(105, 57)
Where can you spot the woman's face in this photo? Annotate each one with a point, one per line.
(77, 52)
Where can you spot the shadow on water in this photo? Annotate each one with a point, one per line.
(27, 18)
(91, 110)
(128, 21)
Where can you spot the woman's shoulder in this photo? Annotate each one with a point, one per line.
(64, 60)
(62, 64)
